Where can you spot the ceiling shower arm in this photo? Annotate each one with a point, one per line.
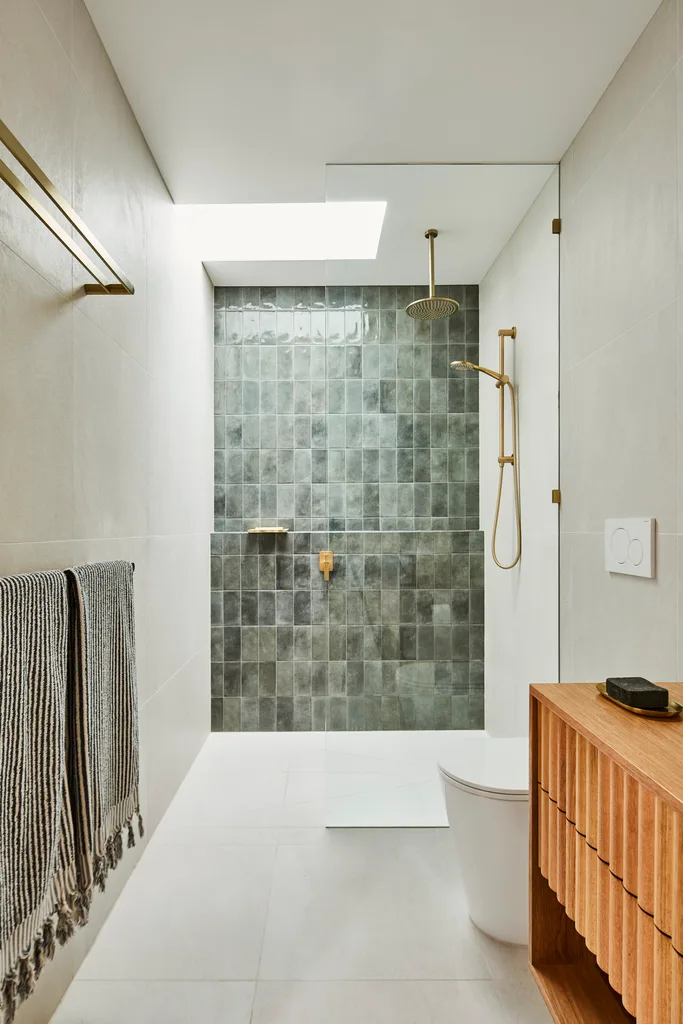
(431, 235)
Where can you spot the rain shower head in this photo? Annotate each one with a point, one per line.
(434, 307)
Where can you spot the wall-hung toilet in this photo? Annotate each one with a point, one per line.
(486, 783)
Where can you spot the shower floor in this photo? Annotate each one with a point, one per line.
(244, 908)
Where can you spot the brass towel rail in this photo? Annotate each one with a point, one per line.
(123, 285)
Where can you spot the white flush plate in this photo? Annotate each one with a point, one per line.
(630, 546)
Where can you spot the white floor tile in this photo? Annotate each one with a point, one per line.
(505, 962)
(392, 805)
(141, 1002)
(364, 910)
(242, 881)
(522, 1002)
(188, 913)
(378, 1002)
(168, 834)
(217, 798)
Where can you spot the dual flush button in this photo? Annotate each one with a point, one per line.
(630, 547)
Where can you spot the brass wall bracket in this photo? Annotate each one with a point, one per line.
(326, 564)
(103, 287)
(557, 225)
(556, 496)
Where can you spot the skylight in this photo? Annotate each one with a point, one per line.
(247, 232)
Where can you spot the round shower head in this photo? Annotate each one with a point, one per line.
(462, 364)
(433, 307)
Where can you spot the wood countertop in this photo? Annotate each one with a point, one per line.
(650, 750)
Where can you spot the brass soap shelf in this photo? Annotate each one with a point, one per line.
(268, 529)
(124, 286)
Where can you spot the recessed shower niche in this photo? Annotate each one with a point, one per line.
(339, 419)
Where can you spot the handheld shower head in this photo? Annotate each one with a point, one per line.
(462, 364)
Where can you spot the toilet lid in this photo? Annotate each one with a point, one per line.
(488, 764)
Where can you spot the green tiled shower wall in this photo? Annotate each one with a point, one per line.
(337, 416)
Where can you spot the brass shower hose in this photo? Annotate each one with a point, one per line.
(503, 461)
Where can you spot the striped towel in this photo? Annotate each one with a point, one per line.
(38, 872)
(103, 732)
(69, 757)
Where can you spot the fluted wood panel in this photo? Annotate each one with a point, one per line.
(592, 795)
(677, 885)
(543, 831)
(664, 833)
(553, 833)
(645, 968)
(603, 924)
(580, 787)
(553, 751)
(616, 931)
(645, 880)
(612, 851)
(630, 835)
(616, 815)
(570, 775)
(663, 979)
(629, 950)
(590, 899)
(604, 795)
(571, 839)
(545, 715)
(676, 987)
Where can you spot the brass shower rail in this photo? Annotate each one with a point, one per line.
(124, 286)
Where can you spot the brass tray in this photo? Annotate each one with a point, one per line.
(671, 711)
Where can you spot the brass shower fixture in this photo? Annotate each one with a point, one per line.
(434, 307)
(503, 382)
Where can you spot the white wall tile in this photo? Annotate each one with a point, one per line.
(650, 61)
(36, 406)
(619, 241)
(620, 429)
(621, 625)
(621, 273)
(33, 67)
(105, 402)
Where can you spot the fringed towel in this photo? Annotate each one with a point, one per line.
(69, 757)
(103, 728)
(38, 868)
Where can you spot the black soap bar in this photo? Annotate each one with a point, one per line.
(638, 693)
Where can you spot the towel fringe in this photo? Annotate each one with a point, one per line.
(65, 924)
(131, 835)
(38, 957)
(118, 846)
(26, 981)
(141, 827)
(100, 872)
(9, 996)
(48, 939)
(79, 908)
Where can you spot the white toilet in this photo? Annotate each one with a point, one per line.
(486, 782)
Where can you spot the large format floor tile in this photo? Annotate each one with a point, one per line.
(362, 908)
(391, 1002)
(245, 909)
(188, 913)
(141, 1002)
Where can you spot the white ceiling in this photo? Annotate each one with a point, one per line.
(247, 102)
(475, 208)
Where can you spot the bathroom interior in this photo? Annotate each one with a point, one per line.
(341, 460)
